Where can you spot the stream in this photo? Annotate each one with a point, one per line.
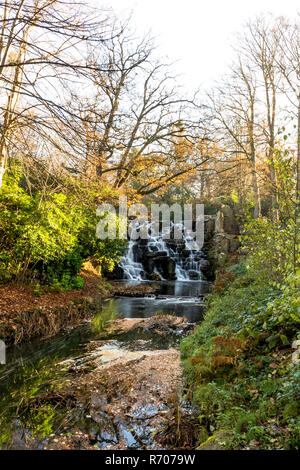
(38, 408)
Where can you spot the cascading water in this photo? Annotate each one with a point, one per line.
(190, 260)
(190, 266)
(132, 269)
(186, 258)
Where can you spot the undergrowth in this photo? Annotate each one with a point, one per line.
(238, 363)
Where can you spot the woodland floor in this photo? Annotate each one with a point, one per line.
(20, 297)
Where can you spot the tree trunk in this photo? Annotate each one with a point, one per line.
(255, 187)
(3, 159)
(298, 156)
(256, 192)
(297, 211)
(2, 169)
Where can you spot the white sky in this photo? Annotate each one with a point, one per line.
(197, 33)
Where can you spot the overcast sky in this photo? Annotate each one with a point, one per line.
(197, 33)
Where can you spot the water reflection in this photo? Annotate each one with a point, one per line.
(108, 312)
(179, 298)
(184, 288)
(34, 369)
(131, 307)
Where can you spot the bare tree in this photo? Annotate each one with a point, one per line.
(261, 47)
(137, 117)
(288, 62)
(41, 45)
(234, 109)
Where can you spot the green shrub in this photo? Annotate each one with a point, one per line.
(240, 269)
(291, 410)
(47, 236)
(245, 422)
(37, 290)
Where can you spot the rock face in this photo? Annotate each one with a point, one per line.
(160, 264)
(223, 239)
(114, 275)
(226, 221)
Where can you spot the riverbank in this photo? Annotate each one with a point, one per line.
(238, 363)
(27, 313)
(114, 381)
(129, 394)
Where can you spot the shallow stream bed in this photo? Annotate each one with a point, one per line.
(93, 386)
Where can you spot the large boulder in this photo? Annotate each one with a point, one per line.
(138, 253)
(225, 243)
(234, 244)
(167, 267)
(207, 268)
(114, 275)
(220, 243)
(194, 275)
(161, 263)
(226, 221)
(209, 227)
(171, 268)
(156, 254)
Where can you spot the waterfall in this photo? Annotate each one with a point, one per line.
(157, 254)
(132, 269)
(190, 267)
(189, 260)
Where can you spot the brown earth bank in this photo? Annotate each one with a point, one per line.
(21, 297)
(24, 315)
(23, 326)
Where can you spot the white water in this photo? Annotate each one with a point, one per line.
(132, 269)
(186, 267)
